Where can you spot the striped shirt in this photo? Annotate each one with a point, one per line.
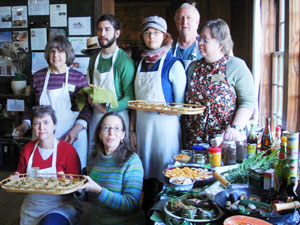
(56, 81)
(118, 203)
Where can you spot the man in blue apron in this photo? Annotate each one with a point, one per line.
(187, 20)
(112, 69)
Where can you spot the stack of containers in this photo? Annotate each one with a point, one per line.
(292, 153)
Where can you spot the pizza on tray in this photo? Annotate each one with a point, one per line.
(47, 185)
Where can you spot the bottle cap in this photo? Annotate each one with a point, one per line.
(277, 128)
(214, 149)
(198, 147)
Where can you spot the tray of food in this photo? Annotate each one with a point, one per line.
(163, 107)
(202, 176)
(194, 208)
(55, 184)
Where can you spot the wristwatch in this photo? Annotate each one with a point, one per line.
(237, 127)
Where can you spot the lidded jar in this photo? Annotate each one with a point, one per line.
(229, 152)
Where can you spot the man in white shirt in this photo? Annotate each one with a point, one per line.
(187, 20)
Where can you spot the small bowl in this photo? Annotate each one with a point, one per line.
(182, 183)
(183, 158)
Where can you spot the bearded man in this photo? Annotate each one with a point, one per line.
(112, 69)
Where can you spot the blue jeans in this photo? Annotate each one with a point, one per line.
(54, 219)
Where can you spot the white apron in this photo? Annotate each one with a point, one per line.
(60, 101)
(193, 56)
(107, 81)
(158, 135)
(36, 206)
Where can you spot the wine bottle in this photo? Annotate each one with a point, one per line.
(252, 141)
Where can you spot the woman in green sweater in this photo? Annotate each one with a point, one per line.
(115, 176)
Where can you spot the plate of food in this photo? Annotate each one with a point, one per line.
(55, 184)
(193, 208)
(202, 176)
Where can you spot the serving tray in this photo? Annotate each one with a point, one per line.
(163, 107)
(53, 184)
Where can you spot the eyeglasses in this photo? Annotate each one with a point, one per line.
(108, 128)
(155, 33)
(204, 40)
(41, 107)
(53, 51)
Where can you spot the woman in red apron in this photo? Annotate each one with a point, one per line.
(48, 155)
(220, 82)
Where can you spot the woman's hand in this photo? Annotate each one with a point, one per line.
(99, 107)
(91, 186)
(231, 134)
(22, 129)
(73, 133)
(132, 138)
(14, 176)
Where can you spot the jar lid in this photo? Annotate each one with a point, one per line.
(198, 147)
(214, 149)
(229, 142)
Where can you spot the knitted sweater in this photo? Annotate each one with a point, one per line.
(118, 203)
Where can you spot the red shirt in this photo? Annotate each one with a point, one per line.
(67, 159)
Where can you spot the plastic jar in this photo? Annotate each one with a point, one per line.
(215, 156)
(229, 152)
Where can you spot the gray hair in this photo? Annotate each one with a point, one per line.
(194, 9)
(221, 32)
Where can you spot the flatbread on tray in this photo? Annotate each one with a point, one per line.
(55, 184)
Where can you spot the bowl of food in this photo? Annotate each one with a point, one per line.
(244, 220)
(183, 158)
(201, 176)
(182, 183)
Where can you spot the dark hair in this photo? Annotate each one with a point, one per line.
(60, 43)
(42, 110)
(221, 32)
(112, 19)
(168, 40)
(121, 154)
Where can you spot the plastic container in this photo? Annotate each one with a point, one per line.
(199, 155)
(215, 156)
(229, 152)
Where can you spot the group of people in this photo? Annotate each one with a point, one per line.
(196, 69)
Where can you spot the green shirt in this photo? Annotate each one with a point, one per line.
(123, 76)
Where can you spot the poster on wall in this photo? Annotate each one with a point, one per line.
(81, 64)
(58, 15)
(80, 25)
(19, 16)
(38, 61)
(78, 44)
(20, 39)
(40, 7)
(38, 38)
(5, 37)
(5, 17)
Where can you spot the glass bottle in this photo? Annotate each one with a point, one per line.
(252, 141)
(267, 139)
(282, 167)
(277, 139)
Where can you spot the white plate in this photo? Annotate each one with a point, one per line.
(193, 220)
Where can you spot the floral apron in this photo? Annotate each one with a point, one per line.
(208, 86)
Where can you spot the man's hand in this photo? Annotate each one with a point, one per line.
(72, 136)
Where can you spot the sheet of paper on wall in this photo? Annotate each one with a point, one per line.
(78, 44)
(5, 37)
(40, 7)
(16, 105)
(80, 25)
(58, 15)
(19, 16)
(5, 15)
(38, 38)
(20, 39)
(38, 61)
(81, 64)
